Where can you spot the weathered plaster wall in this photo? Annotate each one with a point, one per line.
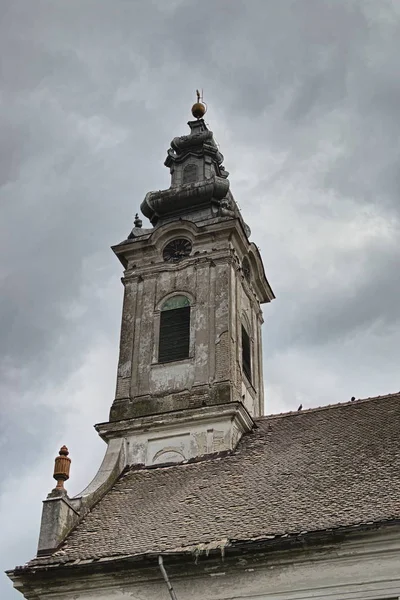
(181, 442)
(221, 300)
(364, 569)
(174, 436)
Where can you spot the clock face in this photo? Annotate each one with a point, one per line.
(177, 249)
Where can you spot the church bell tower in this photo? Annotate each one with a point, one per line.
(190, 367)
(189, 380)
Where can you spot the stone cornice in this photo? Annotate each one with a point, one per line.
(184, 198)
(235, 410)
(333, 549)
(222, 256)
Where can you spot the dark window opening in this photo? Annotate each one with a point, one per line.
(174, 330)
(246, 268)
(246, 354)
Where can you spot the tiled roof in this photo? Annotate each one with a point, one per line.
(318, 469)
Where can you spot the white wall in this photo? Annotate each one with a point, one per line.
(366, 569)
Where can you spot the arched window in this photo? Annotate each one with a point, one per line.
(246, 354)
(174, 329)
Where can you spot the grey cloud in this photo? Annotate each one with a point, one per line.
(336, 314)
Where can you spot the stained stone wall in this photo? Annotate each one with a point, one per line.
(221, 300)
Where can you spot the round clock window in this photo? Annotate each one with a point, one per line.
(177, 249)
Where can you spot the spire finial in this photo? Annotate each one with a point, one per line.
(61, 468)
(199, 108)
(138, 221)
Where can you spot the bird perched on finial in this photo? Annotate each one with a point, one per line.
(300, 407)
(138, 221)
(199, 109)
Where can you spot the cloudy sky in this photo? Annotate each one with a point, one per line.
(304, 99)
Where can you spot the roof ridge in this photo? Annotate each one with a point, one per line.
(327, 406)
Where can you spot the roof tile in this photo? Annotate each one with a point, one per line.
(310, 470)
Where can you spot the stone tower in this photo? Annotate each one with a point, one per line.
(189, 380)
(225, 518)
(190, 367)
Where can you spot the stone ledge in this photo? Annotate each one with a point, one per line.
(179, 436)
(198, 396)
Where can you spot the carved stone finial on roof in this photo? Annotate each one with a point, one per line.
(61, 468)
(198, 109)
(137, 222)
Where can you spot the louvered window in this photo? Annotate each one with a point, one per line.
(246, 354)
(174, 330)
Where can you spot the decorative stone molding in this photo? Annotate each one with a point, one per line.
(180, 435)
(187, 196)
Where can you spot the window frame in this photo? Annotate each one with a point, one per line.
(246, 350)
(157, 328)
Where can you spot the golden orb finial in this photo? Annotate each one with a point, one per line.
(199, 109)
